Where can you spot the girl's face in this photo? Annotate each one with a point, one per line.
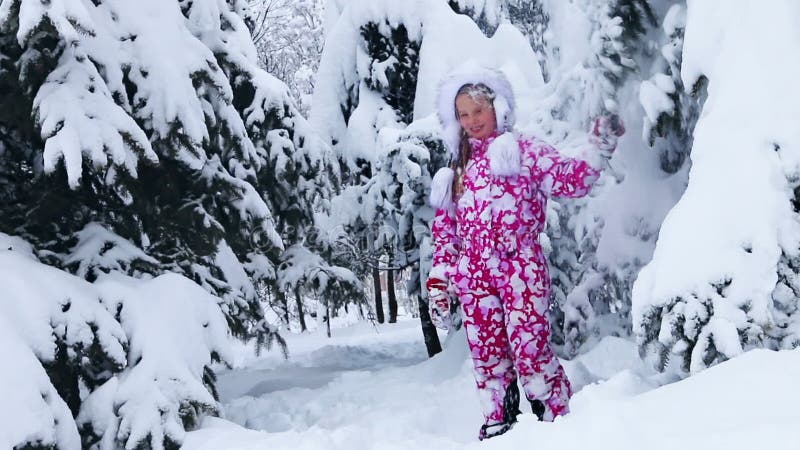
(477, 118)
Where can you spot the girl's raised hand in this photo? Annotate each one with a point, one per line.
(608, 125)
(605, 131)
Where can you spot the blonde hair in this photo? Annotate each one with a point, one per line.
(480, 93)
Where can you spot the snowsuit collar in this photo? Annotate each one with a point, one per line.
(480, 145)
(505, 159)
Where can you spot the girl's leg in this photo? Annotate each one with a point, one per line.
(486, 334)
(523, 289)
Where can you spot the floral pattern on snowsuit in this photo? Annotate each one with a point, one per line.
(486, 244)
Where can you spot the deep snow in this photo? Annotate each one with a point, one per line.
(374, 388)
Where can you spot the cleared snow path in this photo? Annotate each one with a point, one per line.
(367, 390)
(317, 368)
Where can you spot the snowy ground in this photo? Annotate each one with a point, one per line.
(368, 388)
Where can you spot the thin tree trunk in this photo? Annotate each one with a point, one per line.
(432, 343)
(284, 304)
(392, 296)
(300, 312)
(376, 281)
(328, 315)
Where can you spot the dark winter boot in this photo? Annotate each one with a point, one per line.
(493, 429)
(510, 413)
(537, 406)
(511, 403)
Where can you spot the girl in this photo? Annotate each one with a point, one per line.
(491, 205)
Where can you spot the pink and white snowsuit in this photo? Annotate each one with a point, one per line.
(486, 245)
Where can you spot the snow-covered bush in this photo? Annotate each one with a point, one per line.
(60, 317)
(168, 383)
(723, 278)
(97, 358)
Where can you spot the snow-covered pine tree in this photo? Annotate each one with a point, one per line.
(31, 53)
(571, 310)
(723, 277)
(78, 342)
(585, 88)
(296, 176)
(146, 137)
(591, 298)
(785, 334)
(368, 240)
(125, 146)
(367, 81)
(404, 176)
(394, 71)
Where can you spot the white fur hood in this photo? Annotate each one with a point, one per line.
(472, 72)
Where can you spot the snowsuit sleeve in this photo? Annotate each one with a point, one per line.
(446, 245)
(564, 177)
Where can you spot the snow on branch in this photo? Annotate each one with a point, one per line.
(100, 251)
(33, 414)
(79, 120)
